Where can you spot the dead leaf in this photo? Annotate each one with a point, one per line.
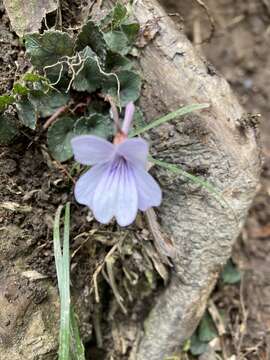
(12, 206)
(33, 275)
(26, 16)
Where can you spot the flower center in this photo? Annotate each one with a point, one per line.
(119, 138)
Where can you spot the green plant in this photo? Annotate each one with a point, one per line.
(72, 77)
(70, 344)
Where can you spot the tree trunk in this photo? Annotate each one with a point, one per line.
(219, 142)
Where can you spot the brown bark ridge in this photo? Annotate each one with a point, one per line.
(219, 142)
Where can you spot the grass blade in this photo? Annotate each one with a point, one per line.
(77, 348)
(172, 115)
(63, 278)
(64, 338)
(57, 246)
(197, 180)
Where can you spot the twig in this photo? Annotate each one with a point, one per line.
(92, 232)
(163, 245)
(114, 113)
(62, 167)
(216, 318)
(211, 19)
(109, 266)
(98, 270)
(54, 116)
(59, 14)
(243, 326)
(97, 328)
(266, 6)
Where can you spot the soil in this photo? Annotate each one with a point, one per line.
(32, 186)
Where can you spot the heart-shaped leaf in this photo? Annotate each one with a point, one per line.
(27, 113)
(116, 62)
(95, 124)
(48, 48)
(130, 86)
(89, 77)
(115, 17)
(207, 330)
(92, 37)
(59, 136)
(117, 42)
(46, 103)
(230, 274)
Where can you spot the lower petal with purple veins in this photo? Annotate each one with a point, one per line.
(149, 192)
(127, 197)
(87, 183)
(116, 195)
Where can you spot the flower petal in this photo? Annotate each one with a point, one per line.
(87, 183)
(116, 195)
(127, 199)
(129, 112)
(134, 150)
(149, 192)
(90, 149)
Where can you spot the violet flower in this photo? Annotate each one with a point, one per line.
(117, 185)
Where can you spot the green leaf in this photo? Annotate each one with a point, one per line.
(77, 348)
(8, 129)
(138, 119)
(115, 17)
(164, 119)
(207, 330)
(20, 89)
(92, 37)
(32, 77)
(48, 48)
(131, 31)
(130, 86)
(59, 135)
(5, 101)
(63, 276)
(119, 14)
(230, 274)
(89, 77)
(197, 347)
(27, 113)
(47, 103)
(95, 124)
(116, 62)
(26, 16)
(117, 42)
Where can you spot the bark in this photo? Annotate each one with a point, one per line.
(219, 142)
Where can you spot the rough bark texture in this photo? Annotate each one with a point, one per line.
(221, 143)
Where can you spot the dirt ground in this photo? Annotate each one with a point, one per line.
(239, 49)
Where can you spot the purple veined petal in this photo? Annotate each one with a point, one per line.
(91, 150)
(130, 109)
(127, 199)
(149, 192)
(116, 195)
(87, 183)
(134, 150)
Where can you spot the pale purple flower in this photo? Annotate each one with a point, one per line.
(117, 185)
